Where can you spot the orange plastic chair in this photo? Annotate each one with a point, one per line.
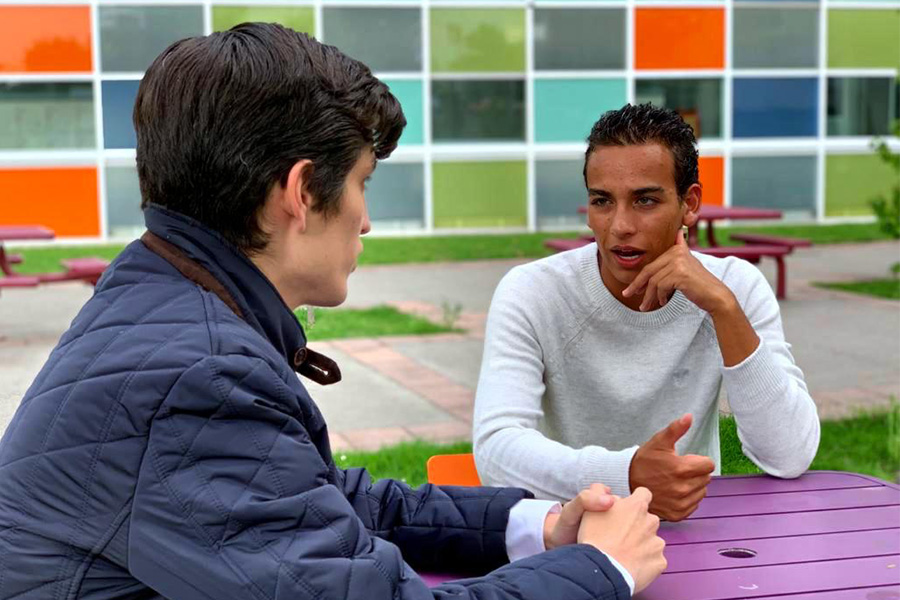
(452, 469)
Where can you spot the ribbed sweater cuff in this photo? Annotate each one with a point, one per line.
(598, 465)
(754, 382)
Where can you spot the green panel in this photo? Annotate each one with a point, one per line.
(565, 109)
(480, 194)
(409, 93)
(298, 18)
(852, 180)
(477, 40)
(864, 38)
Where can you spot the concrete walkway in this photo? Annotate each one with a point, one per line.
(401, 388)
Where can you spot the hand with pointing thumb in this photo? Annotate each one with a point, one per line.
(678, 483)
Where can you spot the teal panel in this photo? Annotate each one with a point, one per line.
(565, 109)
(409, 93)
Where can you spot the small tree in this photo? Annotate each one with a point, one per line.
(887, 206)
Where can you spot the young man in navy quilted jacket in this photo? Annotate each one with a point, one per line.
(168, 449)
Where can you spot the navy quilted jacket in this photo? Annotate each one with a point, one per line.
(168, 450)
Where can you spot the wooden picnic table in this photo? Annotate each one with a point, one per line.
(75, 269)
(10, 233)
(711, 214)
(827, 535)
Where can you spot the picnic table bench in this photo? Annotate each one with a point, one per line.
(87, 269)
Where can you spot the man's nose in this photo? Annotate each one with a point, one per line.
(366, 223)
(622, 223)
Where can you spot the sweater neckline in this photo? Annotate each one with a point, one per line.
(601, 297)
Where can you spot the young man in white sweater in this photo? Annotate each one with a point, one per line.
(604, 363)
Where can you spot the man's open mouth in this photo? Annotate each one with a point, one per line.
(627, 252)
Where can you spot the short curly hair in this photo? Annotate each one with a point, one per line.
(634, 125)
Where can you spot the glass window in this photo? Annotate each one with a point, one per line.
(783, 107)
(409, 93)
(565, 109)
(852, 180)
(395, 196)
(864, 38)
(46, 115)
(786, 183)
(359, 32)
(480, 194)
(124, 218)
(776, 37)
(559, 191)
(478, 110)
(76, 211)
(118, 106)
(861, 105)
(132, 36)
(48, 39)
(600, 34)
(476, 40)
(698, 101)
(298, 18)
(679, 38)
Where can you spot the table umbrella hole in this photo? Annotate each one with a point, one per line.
(737, 552)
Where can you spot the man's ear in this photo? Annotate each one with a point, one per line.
(297, 200)
(692, 202)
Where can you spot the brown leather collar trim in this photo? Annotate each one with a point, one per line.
(306, 361)
(190, 269)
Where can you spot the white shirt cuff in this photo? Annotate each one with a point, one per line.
(525, 533)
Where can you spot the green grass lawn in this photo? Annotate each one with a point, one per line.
(881, 288)
(868, 443)
(335, 323)
(380, 251)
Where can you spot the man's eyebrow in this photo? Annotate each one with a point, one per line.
(596, 192)
(647, 190)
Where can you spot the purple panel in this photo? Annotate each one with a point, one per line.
(780, 551)
(758, 504)
(888, 592)
(780, 525)
(756, 582)
(763, 484)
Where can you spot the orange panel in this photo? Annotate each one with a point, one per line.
(712, 177)
(452, 469)
(679, 38)
(45, 39)
(63, 199)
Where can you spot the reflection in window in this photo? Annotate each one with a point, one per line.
(698, 101)
(600, 34)
(478, 110)
(353, 30)
(477, 40)
(861, 105)
(46, 115)
(45, 39)
(132, 36)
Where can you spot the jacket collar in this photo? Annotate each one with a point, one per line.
(260, 303)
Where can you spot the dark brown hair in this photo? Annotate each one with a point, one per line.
(646, 124)
(221, 119)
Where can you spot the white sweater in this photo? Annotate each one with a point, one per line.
(572, 381)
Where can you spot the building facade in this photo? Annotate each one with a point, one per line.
(785, 96)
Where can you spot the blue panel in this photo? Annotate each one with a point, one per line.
(783, 107)
(118, 104)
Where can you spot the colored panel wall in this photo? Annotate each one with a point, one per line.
(42, 116)
(864, 38)
(118, 106)
(600, 34)
(712, 178)
(786, 183)
(698, 101)
(776, 37)
(679, 38)
(477, 40)
(124, 217)
(409, 93)
(298, 18)
(861, 105)
(68, 199)
(565, 109)
(395, 196)
(352, 30)
(559, 191)
(852, 180)
(480, 194)
(45, 39)
(131, 37)
(777, 107)
(478, 110)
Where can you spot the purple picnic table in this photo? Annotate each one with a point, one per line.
(827, 535)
